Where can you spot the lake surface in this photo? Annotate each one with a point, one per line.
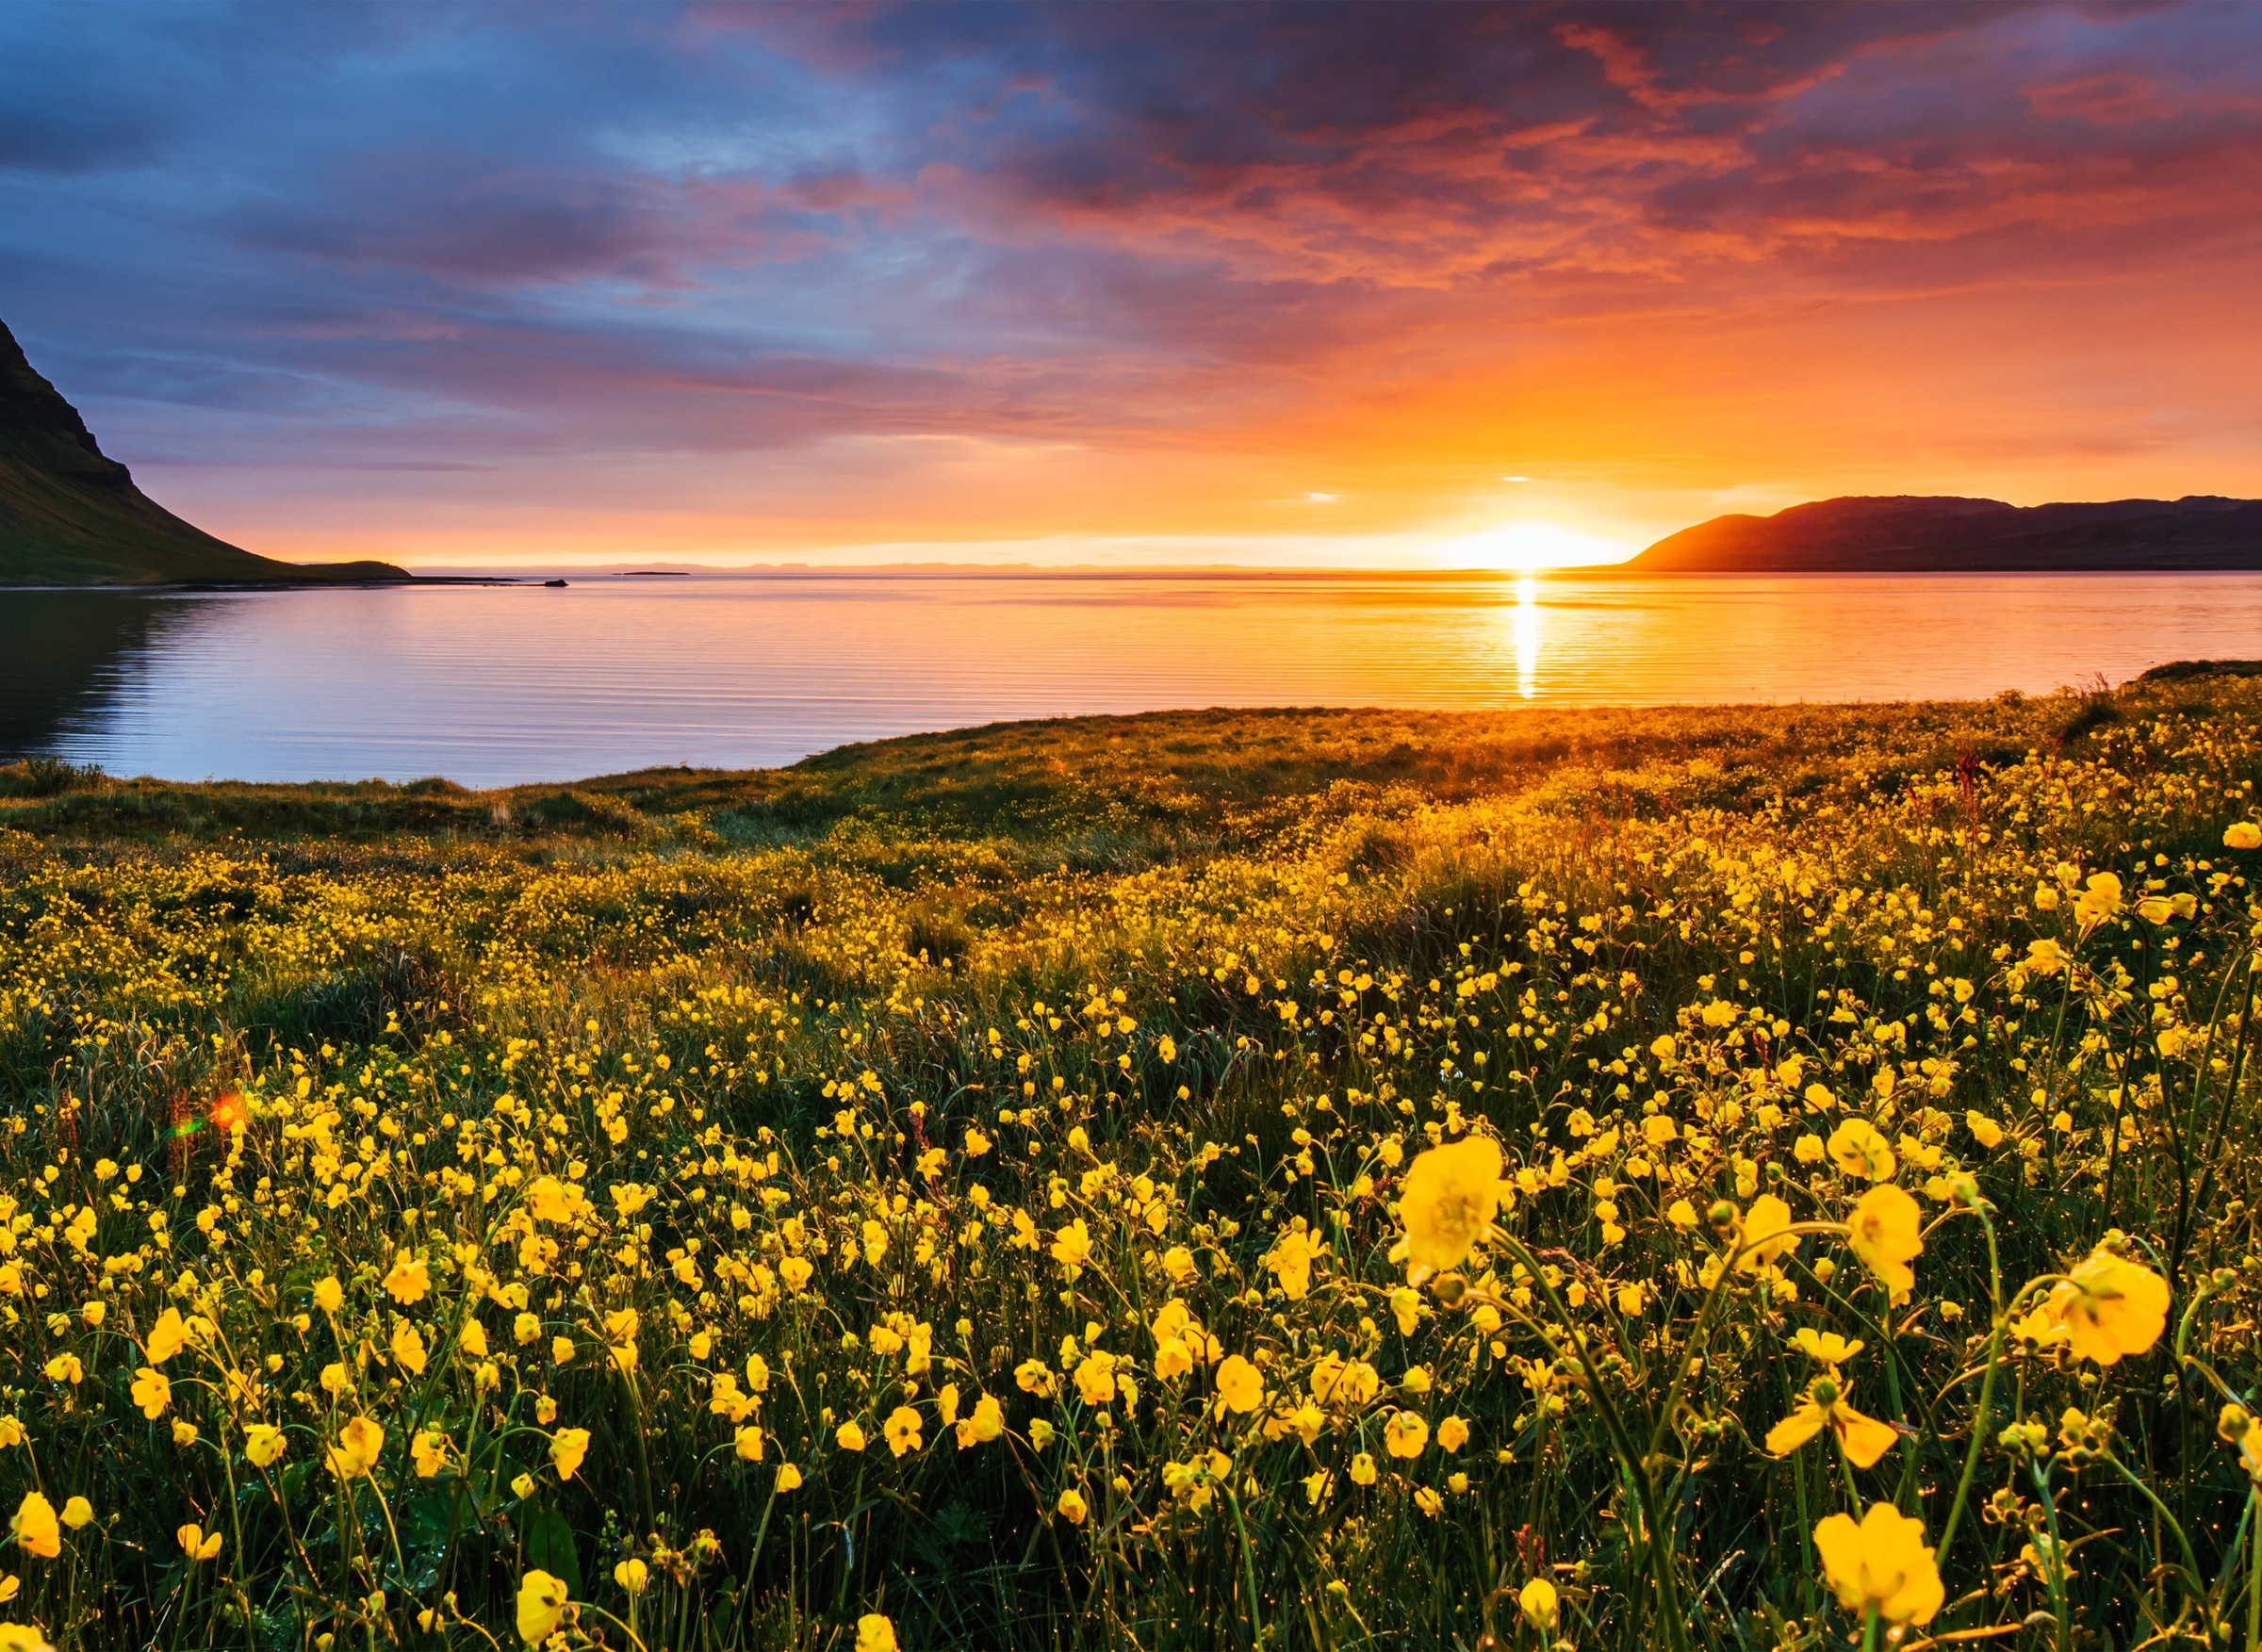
(498, 685)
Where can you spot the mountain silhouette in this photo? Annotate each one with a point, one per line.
(1907, 534)
(71, 516)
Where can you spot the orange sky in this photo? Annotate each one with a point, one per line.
(1138, 284)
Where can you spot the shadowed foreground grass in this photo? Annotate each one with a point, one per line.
(953, 1190)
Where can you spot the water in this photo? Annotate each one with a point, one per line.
(498, 685)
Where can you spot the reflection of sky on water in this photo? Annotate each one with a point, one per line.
(496, 685)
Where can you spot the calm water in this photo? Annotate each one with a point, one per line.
(492, 686)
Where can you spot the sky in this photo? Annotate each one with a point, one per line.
(1403, 284)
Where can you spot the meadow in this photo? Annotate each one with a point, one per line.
(1726, 1179)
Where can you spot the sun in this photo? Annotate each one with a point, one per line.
(1532, 543)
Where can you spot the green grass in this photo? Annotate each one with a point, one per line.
(1197, 978)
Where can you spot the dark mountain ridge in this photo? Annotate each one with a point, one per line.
(1911, 533)
(70, 515)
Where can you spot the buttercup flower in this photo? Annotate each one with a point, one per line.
(902, 1430)
(1881, 1564)
(1857, 1148)
(1883, 1230)
(1451, 1196)
(36, 1529)
(1824, 1405)
(360, 1443)
(1537, 1601)
(568, 1446)
(1241, 1385)
(875, 1633)
(1764, 1240)
(542, 1601)
(2109, 1306)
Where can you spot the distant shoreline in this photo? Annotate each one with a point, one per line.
(537, 579)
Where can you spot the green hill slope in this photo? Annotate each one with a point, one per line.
(71, 516)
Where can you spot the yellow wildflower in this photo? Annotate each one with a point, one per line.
(1881, 1564)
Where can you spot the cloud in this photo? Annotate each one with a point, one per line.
(1401, 240)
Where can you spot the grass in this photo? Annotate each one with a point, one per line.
(1040, 1098)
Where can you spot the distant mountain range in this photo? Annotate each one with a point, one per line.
(1906, 533)
(71, 516)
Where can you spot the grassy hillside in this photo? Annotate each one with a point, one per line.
(70, 516)
(953, 1192)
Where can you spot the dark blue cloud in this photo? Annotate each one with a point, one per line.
(439, 234)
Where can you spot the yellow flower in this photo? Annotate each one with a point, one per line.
(263, 1443)
(1985, 1131)
(430, 1449)
(1405, 1301)
(1764, 1239)
(408, 1348)
(1453, 1434)
(789, 1478)
(329, 1296)
(1857, 1149)
(21, 1637)
(183, 1433)
(1071, 1507)
(77, 1512)
(166, 1336)
(568, 1446)
(631, 1575)
(1883, 1232)
(525, 1328)
(2242, 834)
(1882, 1565)
(1826, 1348)
(850, 1436)
(541, 1607)
(473, 1339)
(1239, 1385)
(1095, 1378)
(35, 1528)
(2045, 957)
(1405, 1434)
(1865, 1439)
(1362, 1469)
(1451, 1195)
(1539, 1603)
(410, 1281)
(196, 1544)
(359, 1445)
(901, 1430)
(986, 1423)
(561, 1351)
(2099, 901)
(875, 1633)
(151, 1391)
(1290, 1261)
(2109, 1306)
(1072, 1245)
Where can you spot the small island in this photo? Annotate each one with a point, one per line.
(70, 515)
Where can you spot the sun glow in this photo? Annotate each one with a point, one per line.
(1532, 543)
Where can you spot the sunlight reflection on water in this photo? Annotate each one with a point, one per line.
(497, 685)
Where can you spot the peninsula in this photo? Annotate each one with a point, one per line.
(70, 515)
(1906, 533)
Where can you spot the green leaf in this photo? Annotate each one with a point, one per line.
(549, 1549)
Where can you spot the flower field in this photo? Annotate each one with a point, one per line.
(1660, 1181)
